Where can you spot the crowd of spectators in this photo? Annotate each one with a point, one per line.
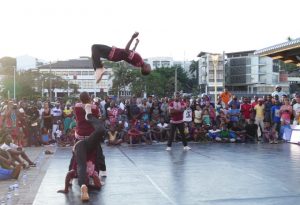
(136, 120)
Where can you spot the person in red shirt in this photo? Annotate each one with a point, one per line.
(89, 134)
(176, 109)
(246, 110)
(117, 54)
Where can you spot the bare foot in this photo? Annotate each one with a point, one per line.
(99, 74)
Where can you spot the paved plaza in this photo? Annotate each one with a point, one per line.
(208, 174)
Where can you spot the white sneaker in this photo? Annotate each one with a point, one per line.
(186, 148)
(168, 149)
(102, 173)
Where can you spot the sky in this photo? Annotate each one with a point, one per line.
(66, 29)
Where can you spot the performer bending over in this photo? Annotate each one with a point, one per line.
(118, 54)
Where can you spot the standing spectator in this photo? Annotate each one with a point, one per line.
(56, 114)
(164, 108)
(235, 102)
(113, 113)
(225, 96)
(68, 117)
(268, 107)
(188, 114)
(47, 118)
(275, 112)
(219, 106)
(176, 108)
(198, 116)
(34, 117)
(246, 109)
(259, 116)
(234, 115)
(296, 110)
(155, 111)
(278, 91)
(150, 101)
(286, 111)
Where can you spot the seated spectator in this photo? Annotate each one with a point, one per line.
(155, 131)
(214, 133)
(134, 134)
(238, 131)
(164, 129)
(269, 134)
(251, 131)
(113, 137)
(10, 173)
(15, 151)
(200, 134)
(225, 135)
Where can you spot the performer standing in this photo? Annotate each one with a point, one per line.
(176, 109)
(118, 54)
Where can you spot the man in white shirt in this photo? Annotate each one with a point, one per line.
(56, 113)
(278, 92)
(15, 151)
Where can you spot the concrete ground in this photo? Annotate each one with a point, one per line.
(209, 174)
(29, 180)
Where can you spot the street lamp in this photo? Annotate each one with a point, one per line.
(215, 60)
(50, 82)
(14, 82)
(176, 79)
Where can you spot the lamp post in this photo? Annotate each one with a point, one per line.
(50, 82)
(176, 79)
(14, 82)
(215, 60)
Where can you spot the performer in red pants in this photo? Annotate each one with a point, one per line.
(118, 54)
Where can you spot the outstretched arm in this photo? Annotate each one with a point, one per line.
(130, 41)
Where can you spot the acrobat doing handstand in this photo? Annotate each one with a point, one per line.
(117, 54)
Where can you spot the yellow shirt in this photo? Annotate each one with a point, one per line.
(259, 111)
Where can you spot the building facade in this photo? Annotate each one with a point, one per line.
(247, 73)
(77, 71)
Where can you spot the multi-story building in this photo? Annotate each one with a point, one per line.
(167, 62)
(247, 73)
(77, 71)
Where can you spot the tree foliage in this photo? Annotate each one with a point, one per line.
(160, 82)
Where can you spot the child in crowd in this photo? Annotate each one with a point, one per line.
(213, 133)
(113, 137)
(225, 135)
(275, 113)
(164, 129)
(206, 118)
(200, 134)
(198, 116)
(269, 134)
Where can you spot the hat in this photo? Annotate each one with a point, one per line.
(277, 86)
(260, 99)
(21, 110)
